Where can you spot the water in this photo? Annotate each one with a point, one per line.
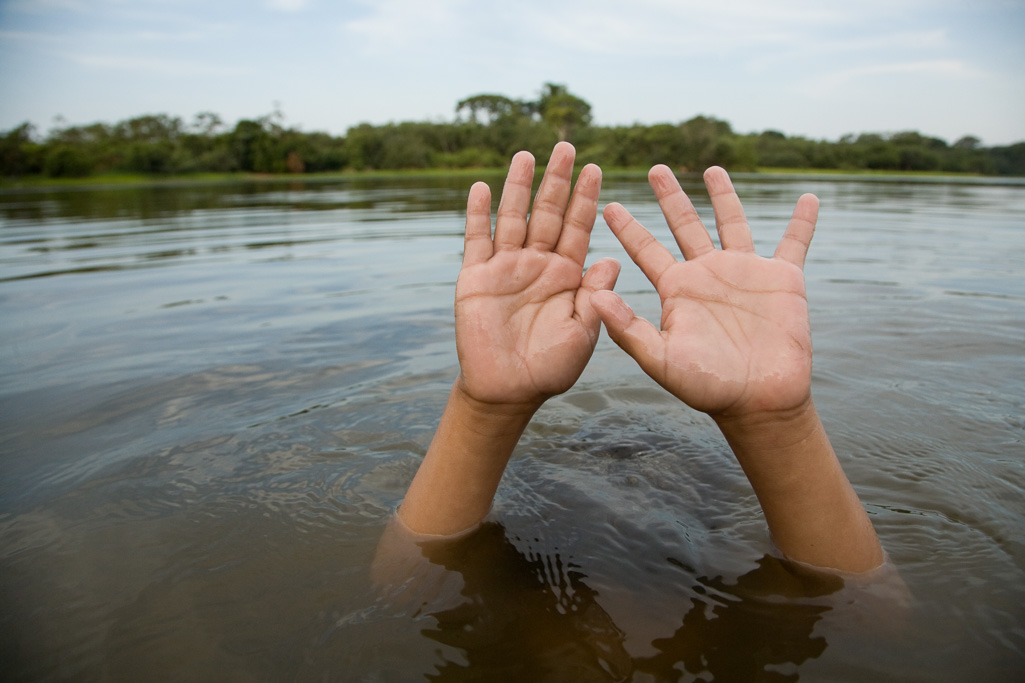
(213, 397)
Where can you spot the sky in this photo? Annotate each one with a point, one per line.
(814, 68)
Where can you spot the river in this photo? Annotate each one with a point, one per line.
(212, 398)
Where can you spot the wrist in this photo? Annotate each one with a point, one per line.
(784, 454)
(492, 414)
(771, 430)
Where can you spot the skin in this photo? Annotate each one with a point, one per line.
(525, 330)
(734, 342)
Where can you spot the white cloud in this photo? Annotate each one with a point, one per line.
(935, 68)
(401, 27)
(47, 6)
(644, 28)
(31, 36)
(164, 67)
(287, 5)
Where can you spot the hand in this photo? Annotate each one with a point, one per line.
(735, 343)
(524, 332)
(524, 325)
(735, 338)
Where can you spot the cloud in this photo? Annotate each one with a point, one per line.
(31, 37)
(603, 27)
(935, 68)
(46, 6)
(391, 24)
(287, 5)
(644, 28)
(164, 67)
(730, 28)
(147, 36)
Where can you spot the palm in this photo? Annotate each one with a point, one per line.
(734, 335)
(517, 334)
(524, 327)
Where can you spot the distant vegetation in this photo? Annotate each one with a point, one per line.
(486, 130)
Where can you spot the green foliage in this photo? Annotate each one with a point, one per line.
(253, 144)
(19, 153)
(66, 161)
(488, 128)
(1009, 160)
(562, 111)
(494, 108)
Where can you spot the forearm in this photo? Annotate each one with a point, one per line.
(456, 483)
(813, 513)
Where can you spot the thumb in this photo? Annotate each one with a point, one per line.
(636, 336)
(602, 275)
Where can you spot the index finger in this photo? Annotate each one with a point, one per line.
(646, 251)
(579, 221)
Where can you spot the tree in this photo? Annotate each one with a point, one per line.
(775, 150)
(19, 154)
(488, 129)
(1009, 160)
(706, 142)
(149, 128)
(495, 107)
(207, 124)
(562, 111)
(253, 147)
(67, 161)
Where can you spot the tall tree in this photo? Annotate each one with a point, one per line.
(494, 107)
(563, 111)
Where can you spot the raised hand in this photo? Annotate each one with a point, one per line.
(734, 335)
(524, 332)
(735, 343)
(524, 325)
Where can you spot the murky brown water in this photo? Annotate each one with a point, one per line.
(213, 397)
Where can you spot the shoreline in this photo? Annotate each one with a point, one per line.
(140, 180)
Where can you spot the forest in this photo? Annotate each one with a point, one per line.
(485, 131)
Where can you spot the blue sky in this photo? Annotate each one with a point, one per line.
(820, 69)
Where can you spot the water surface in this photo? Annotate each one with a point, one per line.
(212, 398)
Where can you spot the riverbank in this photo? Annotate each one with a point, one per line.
(128, 180)
(142, 180)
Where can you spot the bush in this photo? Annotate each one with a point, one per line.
(65, 161)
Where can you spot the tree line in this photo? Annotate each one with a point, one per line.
(487, 129)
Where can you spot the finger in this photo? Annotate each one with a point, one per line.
(579, 221)
(730, 221)
(636, 336)
(550, 203)
(797, 238)
(477, 245)
(690, 233)
(511, 226)
(646, 251)
(601, 275)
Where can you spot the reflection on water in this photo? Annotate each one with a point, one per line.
(541, 607)
(213, 396)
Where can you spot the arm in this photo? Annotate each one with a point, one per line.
(735, 342)
(524, 332)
